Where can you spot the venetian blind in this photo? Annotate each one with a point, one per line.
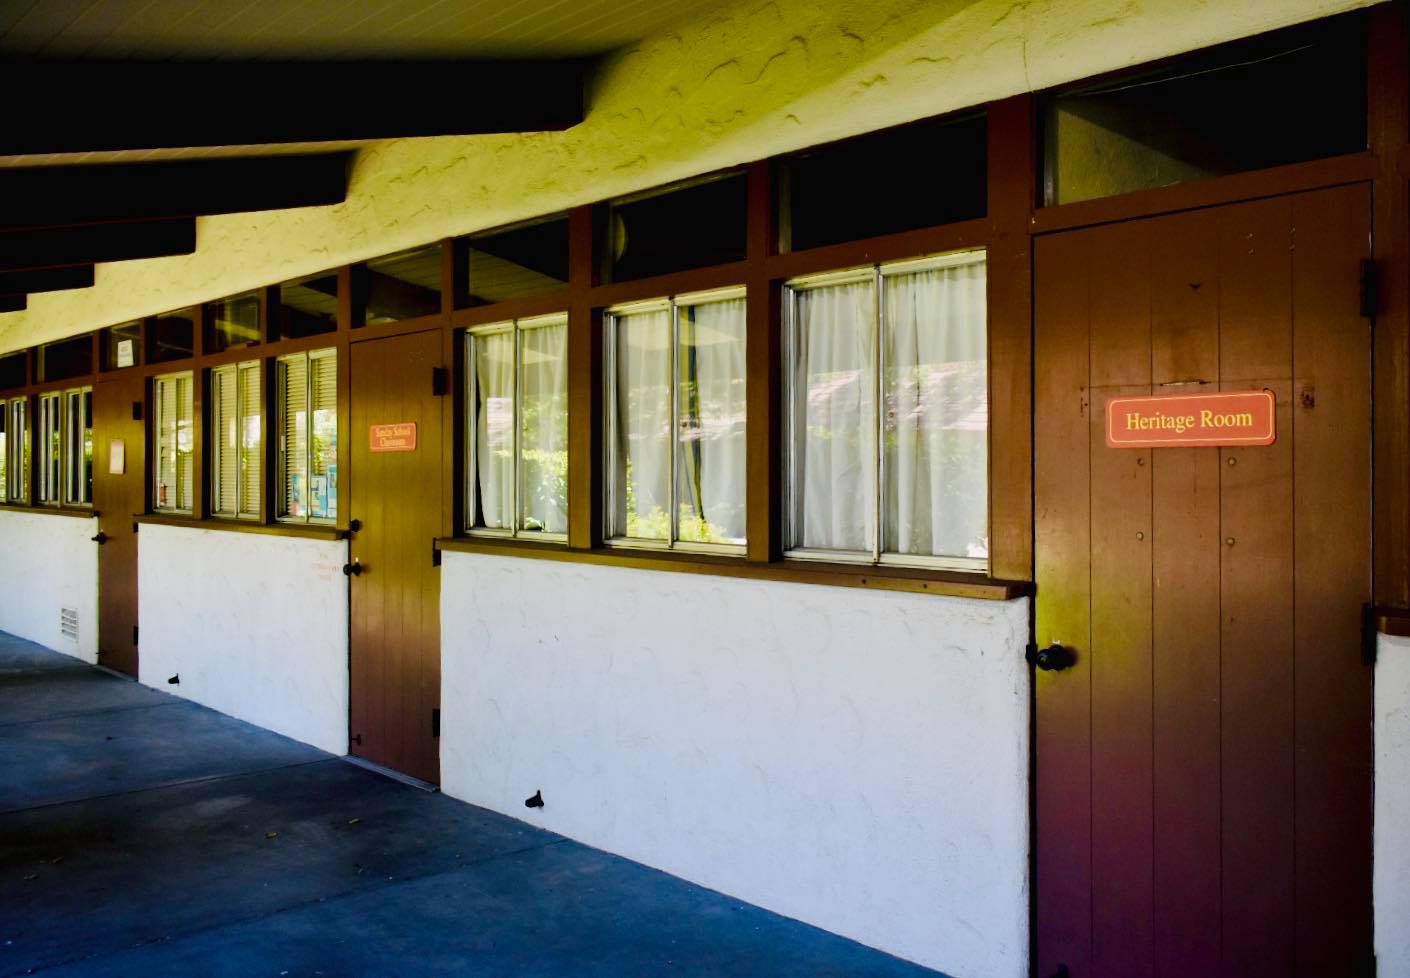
(224, 425)
(251, 435)
(4, 455)
(323, 448)
(293, 441)
(175, 406)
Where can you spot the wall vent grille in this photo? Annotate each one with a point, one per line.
(68, 623)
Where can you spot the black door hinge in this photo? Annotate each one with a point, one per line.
(1369, 288)
(134, 634)
(440, 381)
(356, 739)
(436, 722)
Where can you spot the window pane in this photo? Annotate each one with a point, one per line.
(688, 227)
(50, 448)
(293, 440)
(323, 449)
(78, 447)
(641, 425)
(175, 440)
(171, 337)
(494, 428)
(122, 346)
(543, 438)
(4, 453)
(251, 435)
(937, 412)
(224, 423)
(710, 449)
(531, 259)
(402, 286)
(307, 307)
(833, 416)
(232, 322)
(70, 358)
(12, 371)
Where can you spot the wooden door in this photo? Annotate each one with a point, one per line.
(119, 493)
(1203, 796)
(395, 499)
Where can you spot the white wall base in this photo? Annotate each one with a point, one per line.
(1391, 881)
(256, 625)
(855, 759)
(48, 563)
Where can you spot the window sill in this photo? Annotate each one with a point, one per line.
(1391, 621)
(245, 526)
(78, 511)
(946, 583)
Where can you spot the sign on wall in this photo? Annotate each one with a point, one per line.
(399, 437)
(1192, 420)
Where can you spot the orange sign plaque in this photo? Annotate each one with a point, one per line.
(399, 437)
(1192, 420)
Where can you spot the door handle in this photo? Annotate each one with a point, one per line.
(1054, 658)
(354, 569)
(101, 538)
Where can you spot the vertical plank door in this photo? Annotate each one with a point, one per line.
(1203, 795)
(119, 494)
(395, 499)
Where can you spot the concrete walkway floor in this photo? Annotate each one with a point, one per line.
(142, 835)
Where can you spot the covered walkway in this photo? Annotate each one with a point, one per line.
(141, 834)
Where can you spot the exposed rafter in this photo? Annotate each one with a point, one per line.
(261, 102)
(92, 243)
(55, 196)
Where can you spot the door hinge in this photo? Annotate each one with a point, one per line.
(436, 722)
(440, 381)
(356, 739)
(435, 555)
(134, 634)
(1369, 288)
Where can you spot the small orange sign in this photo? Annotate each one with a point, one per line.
(1192, 420)
(399, 437)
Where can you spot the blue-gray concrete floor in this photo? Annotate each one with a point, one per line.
(143, 835)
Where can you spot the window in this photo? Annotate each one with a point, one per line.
(401, 286)
(674, 424)
(173, 405)
(17, 451)
(517, 428)
(66, 359)
(307, 307)
(307, 385)
(13, 370)
(66, 448)
(690, 226)
(513, 263)
(232, 322)
(237, 440)
(78, 447)
(121, 346)
(171, 337)
(886, 414)
(51, 453)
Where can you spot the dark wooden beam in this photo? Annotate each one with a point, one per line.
(95, 243)
(248, 102)
(54, 196)
(47, 280)
(13, 303)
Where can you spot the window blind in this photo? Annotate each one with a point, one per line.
(293, 443)
(251, 433)
(223, 427)
(323, 449)
(308, 436)
(175, 405)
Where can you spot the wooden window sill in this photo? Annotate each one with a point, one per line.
(78, 511)
(1391, 621)
(947, 583)
(315, 532)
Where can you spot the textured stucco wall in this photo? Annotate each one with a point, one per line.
(854, 759)
(256, 626)
(48, 563)
(758, 77)
(1392, 841)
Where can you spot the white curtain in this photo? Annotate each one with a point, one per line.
(711, 449)
(543, 433)
(834, 417)
(494, 428)
(937, 417)
(642, 426)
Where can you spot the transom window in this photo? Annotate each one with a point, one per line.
(173, 408)
(887, 414)
(307, 386)
(674, 424)
(237, 440)
(517, 428)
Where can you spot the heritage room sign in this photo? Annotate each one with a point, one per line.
(399, 437)
(1191, 420)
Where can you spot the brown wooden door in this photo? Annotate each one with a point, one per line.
(1203, 787)
(117, 498)
(396, 498)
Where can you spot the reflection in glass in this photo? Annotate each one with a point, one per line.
(640, 474)
(711, 410)
(543, 428)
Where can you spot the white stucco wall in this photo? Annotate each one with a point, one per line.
(256, 626)
(855, 759)
(749, 80)
(1392, 841)
(48, 563)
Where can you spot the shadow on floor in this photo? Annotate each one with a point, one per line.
(142, 835)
